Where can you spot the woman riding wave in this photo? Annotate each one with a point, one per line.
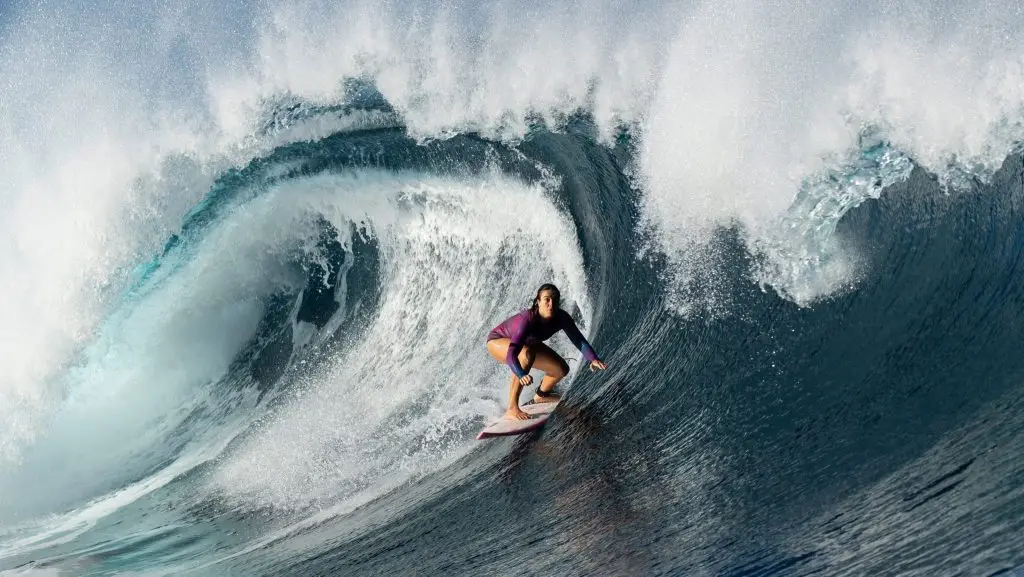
(519, 343)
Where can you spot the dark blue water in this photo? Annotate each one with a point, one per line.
(876, 431)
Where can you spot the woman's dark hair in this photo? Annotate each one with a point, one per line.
(554, 293)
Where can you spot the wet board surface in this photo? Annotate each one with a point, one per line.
(539, 413)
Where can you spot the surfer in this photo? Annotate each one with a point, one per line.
(519, 343)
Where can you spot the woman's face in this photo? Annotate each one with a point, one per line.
(546, 304)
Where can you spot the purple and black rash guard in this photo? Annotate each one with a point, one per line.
(525, 328)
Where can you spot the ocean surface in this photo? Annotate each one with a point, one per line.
(250, 253)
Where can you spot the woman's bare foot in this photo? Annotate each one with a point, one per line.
(551, 398)
(516, 414)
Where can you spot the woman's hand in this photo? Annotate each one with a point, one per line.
(525, 380)
(597, 364)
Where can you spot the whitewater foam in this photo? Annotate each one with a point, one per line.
(405, 396)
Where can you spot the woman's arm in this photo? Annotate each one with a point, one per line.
(516, 344)
(573, 332)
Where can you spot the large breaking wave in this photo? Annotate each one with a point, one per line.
(250, 255)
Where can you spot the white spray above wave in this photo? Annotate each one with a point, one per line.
(92, 110)
(759, 104)
(457, 256)
(738, 105)
(110, 135)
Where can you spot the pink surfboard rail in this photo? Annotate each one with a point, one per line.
(539, 413)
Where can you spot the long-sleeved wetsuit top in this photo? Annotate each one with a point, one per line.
(526, 327)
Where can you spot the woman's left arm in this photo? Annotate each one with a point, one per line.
(573, 332)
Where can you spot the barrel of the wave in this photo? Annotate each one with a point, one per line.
(518, 342)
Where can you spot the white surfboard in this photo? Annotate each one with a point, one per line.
(539, 413)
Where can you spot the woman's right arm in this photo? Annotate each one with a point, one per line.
(515, 345)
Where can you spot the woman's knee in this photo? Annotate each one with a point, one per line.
(555, 366)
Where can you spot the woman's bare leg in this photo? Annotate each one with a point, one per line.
(555, 368)
(514, 390)
(498, 349)
(538, 356)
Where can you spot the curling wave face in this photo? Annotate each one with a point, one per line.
(355, 297)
